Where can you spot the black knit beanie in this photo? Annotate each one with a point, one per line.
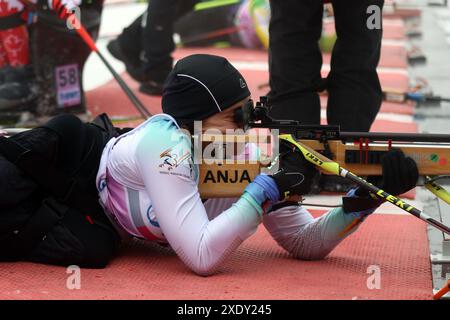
(201, 85)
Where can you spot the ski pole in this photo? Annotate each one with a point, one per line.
(418, 97)
(334, 168)
(64, 13)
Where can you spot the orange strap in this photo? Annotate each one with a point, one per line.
(442, 292)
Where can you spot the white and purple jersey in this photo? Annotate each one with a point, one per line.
(148, 183)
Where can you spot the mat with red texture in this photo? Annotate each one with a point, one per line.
(403, 13)
(394, 244)
(393, 27)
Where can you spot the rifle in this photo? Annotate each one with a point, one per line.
(346, 154)
(392, 95)
(398, 96)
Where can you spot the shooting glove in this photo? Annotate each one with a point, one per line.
(296, 174)
(399, 175)
(295, 177)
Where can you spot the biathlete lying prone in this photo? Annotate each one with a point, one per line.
(162, 203)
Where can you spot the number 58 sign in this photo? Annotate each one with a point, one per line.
(68, 85)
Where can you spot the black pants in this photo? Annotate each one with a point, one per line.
(73, 239)
(156, 38)
(295, 62)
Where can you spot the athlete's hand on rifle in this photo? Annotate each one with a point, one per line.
(295, 177)
(399, 174)
(296, 174)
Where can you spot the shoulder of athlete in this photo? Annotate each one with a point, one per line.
(166, 147)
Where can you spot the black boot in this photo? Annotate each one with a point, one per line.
(151, 81)
(117, 52)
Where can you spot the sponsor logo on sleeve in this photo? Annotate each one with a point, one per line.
(170, 161)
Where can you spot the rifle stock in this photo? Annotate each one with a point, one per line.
(230, 180)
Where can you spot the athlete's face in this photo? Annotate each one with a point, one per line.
(226, 119)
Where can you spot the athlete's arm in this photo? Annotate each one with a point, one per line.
(201, 244)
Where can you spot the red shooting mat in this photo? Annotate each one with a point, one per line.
(394, 56)
(259, 269)
(393, 27)
(403, 13)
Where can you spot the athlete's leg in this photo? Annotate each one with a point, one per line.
(295, 59)
(353, 85)
(157, 36)
(128, 46)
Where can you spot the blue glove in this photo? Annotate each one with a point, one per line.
(263, 188)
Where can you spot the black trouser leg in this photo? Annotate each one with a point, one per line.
(354, 88)
(64, 142)
(157, 36)
(295, 59)
(15, 186)
(130, 41)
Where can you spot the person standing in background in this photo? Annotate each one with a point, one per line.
(295, 62)
(146, 45)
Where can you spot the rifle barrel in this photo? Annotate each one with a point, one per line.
(404, 137)
(327, 132)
